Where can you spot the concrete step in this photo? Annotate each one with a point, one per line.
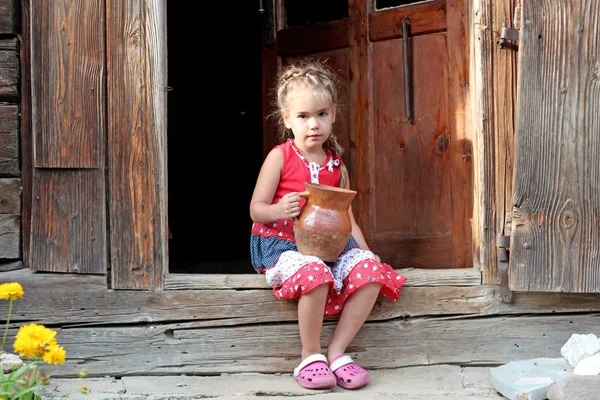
(445, 382)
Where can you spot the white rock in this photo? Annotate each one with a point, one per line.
(529, 379)
(10, 362)
(588, 365)
(580, 346)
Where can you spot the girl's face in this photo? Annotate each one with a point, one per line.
(310, 117)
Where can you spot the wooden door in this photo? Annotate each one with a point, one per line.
(414, 186)
(555, 237)
(98, 96)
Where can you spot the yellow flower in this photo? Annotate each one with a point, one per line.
(55, 354)
(32, 339)
(11, 291)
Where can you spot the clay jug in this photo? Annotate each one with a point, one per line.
(323, 227)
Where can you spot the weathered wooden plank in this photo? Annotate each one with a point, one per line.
(429, 17)
(10, 218)
(67, 84)
(9, 69)
(10, 236)
(360, 110)
(9, 139)
(69, 221)
(10, 196)
(482, 109)
(503, 94)
(137, 56)
(556, 235)
(461, 142)
(89, 302)
(414, 277)
(11, 266)
(360, 114)
(8, 16)
(273, 348)
(494, 98)
(26, 137)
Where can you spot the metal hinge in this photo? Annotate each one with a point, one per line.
(503, 244)
(510, 34)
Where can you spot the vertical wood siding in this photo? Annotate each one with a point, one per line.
(493, 99)
(556, 235)
(136, 40)
(68, 207)
(69, 221)
(67, 66)
(461, 138)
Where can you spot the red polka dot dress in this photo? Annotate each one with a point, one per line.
(292, 274)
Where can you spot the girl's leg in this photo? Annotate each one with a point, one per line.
(354, 314)
(310, 319)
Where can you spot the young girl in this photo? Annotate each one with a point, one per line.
(309, 152)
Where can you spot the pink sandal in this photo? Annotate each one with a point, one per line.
(348, 374)
(314, 373)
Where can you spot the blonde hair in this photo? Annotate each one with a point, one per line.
(313, 75)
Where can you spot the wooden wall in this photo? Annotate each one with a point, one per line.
(10, 171)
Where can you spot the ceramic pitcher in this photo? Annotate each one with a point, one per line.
(323, 227)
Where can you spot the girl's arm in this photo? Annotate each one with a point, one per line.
(261, 209)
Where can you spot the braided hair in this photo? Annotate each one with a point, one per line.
(314, 75)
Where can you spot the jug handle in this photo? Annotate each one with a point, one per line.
(305, 194)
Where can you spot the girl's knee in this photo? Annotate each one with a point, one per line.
(374, 287)
(320, 290)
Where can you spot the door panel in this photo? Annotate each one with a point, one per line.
(413, 194)
(414, 156)
(556, 231)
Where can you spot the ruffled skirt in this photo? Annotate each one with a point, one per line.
(293, 274)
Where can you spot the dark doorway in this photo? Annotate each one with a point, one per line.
(214, 133)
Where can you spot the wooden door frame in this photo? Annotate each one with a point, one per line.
(493, 81)
(137, 142)
(487, 180)
(359, 14)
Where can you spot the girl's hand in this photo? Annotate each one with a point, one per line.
(289, 205)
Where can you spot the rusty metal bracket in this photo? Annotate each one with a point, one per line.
(503, 244)
(511, 34)
(507, 34)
